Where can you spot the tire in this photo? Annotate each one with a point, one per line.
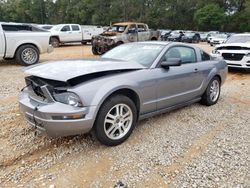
(119, 43)
(209, 98)
(27, 55)
(112, 128)
(84, 42)
(94, 50)
(54, 42)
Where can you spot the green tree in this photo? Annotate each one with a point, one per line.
(210, 17)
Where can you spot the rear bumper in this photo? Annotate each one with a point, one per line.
(56, 119)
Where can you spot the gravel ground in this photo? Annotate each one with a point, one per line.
(195, 146)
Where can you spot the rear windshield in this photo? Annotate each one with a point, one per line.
(9, 27)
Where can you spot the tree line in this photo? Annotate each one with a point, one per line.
(223, 15)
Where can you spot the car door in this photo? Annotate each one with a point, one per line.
(178, 84)
(132, 33)
(65, 34)
(143, 33)
(76, 33)
(2, 43)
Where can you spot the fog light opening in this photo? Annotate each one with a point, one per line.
(70, 117)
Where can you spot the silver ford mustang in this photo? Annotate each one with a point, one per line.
(109, 95)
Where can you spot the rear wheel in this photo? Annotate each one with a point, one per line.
(27, 55)
(116, 120)
(212, 93)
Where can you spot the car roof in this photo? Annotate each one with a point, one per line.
(164, 43)
(153, 42)
(242, 34)
(127, 23)
(14, 23)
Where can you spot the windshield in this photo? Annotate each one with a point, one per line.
(117, 28)
(223, 36)
(189, 34)
(175, 33)
(56, 28)
(145, 54)
(239, 39)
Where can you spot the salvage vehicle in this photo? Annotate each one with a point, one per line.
(72, 33)
(175, 36)
(235, 51)
(191, 37)
(110, 94)
(218, 39)
(121, 33)
(23, 42)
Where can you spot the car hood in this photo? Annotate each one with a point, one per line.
(68, 69)
(219, 39)
(243, 45)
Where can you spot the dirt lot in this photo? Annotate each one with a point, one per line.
(196, 146)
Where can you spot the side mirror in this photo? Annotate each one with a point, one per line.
(171, 62)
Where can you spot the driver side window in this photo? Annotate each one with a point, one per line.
(186, 54)
(132, 29)
(65, 28)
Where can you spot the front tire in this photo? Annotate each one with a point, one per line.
(27, 55)
(212, 93)
(116, 120)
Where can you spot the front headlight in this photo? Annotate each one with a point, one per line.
(215, 52)
(68, 98)
(248, 55)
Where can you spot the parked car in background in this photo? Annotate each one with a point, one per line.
(218, 39)
(121, 33)
(191, 37)
(210, 35)
(235, 51)
(164, 34)
(109, 95)
(175, 36)
(24, 42)
(72, 33)
(203, 36)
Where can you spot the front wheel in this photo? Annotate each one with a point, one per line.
(212, 93)
(27, 55)
(116, 120)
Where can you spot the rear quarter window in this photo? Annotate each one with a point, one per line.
(205, 56)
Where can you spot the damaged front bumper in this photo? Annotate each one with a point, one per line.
(103, 44)
(54, 118)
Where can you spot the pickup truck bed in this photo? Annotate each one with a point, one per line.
(23, 42)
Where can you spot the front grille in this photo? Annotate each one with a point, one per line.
(232, 56)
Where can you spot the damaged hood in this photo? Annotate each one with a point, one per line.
(68, 69)
(109, 34)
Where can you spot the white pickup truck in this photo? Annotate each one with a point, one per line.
(23, 42)
(71, 33)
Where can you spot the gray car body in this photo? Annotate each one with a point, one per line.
(157, 89)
